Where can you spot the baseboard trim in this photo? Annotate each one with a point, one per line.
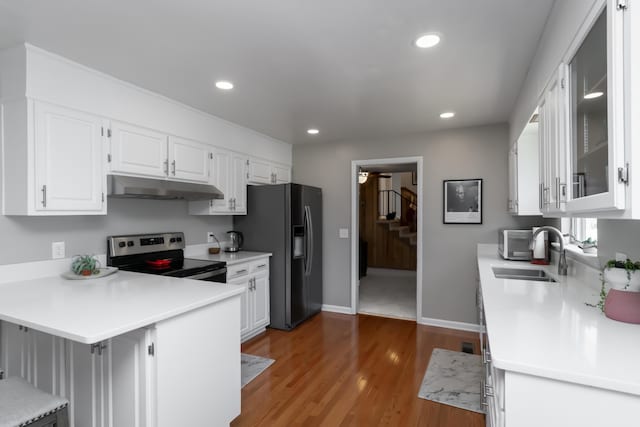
(450, 324)
(336, 309)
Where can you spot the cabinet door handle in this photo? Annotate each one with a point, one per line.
(557, 193)
(44, 196)
(173, 168)
(483, 400)
(540, 195)
(166, 166)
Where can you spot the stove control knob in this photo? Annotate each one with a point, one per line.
(122, 244)
(179, 239)
(130, 243)
(172, 240)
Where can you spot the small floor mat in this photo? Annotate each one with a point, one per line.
(453, 378)
(252, 366)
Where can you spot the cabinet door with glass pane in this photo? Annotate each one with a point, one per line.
(595, 104)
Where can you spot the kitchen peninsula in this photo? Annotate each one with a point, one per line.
(126, 349)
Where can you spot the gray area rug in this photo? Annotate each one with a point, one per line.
(453, 378)
(252, 366)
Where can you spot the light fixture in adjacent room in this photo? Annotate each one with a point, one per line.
(224, 85)
(313, 131)
(362, 176)
(593, 95)
(427, 40)
(447, 115)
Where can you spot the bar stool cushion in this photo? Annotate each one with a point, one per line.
(22, 403)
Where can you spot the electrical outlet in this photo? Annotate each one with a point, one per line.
(343, 233)
(57, 250)
(210, 237)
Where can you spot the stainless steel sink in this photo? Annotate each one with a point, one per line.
(522, 274)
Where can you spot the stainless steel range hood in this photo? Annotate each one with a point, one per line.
(148, 188)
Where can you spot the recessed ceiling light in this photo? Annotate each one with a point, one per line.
(427, 41)
(593, 95)
(313, 131)
(447, 115)
(224, 85)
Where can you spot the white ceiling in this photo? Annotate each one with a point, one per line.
(347, 67)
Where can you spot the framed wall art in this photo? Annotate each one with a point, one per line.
(462, 201)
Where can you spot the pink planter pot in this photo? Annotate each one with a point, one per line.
(623, 306)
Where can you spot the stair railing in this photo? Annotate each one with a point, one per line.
(388, 202)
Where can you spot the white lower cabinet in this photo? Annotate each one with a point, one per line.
(181, 371)
(512, 398)
(34, 356)
(108, 381)
(254, 277)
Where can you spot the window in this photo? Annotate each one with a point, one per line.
(584, 228)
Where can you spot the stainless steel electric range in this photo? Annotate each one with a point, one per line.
(163, 254)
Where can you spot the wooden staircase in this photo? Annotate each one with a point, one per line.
(390, 243)
(404, 231)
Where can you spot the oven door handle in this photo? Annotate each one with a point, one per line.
(208, 274)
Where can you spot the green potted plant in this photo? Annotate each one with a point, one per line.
(85, 265)
(588, 246)
(622, 299)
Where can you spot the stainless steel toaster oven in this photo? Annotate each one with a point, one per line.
(514, 244)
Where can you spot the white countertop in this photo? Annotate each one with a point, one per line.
(230, 257)
(547, 330)
(89, 311)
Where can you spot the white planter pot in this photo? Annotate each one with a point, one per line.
(618, 278)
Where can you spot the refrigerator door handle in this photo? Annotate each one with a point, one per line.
(306, 242)
(309, 235)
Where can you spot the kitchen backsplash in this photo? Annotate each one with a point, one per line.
(29, 238)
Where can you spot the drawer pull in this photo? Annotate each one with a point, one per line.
(243, 271)
(262, 266)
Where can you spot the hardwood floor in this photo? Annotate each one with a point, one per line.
(342, 370)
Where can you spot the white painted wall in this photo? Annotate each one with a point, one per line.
(449, 282)
(27, 239)
(618, 236)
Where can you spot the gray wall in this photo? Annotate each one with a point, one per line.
(618, 236)
(449, 262)
(29, 238)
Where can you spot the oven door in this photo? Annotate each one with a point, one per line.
(218, 276)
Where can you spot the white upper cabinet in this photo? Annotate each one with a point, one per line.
(63, 150)
(264, 172)
(239, 183)
(189, 160)
(69, 160)
(524, 195)
(229, 175)
(281, 174)
(66, 126)
(139, 151)
(595, 100)
(552, 138)
(259, 172)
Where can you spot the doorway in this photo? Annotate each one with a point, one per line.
(386, 250)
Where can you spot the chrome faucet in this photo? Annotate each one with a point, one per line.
(562, 263)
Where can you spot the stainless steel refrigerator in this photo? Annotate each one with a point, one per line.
(286, 220)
